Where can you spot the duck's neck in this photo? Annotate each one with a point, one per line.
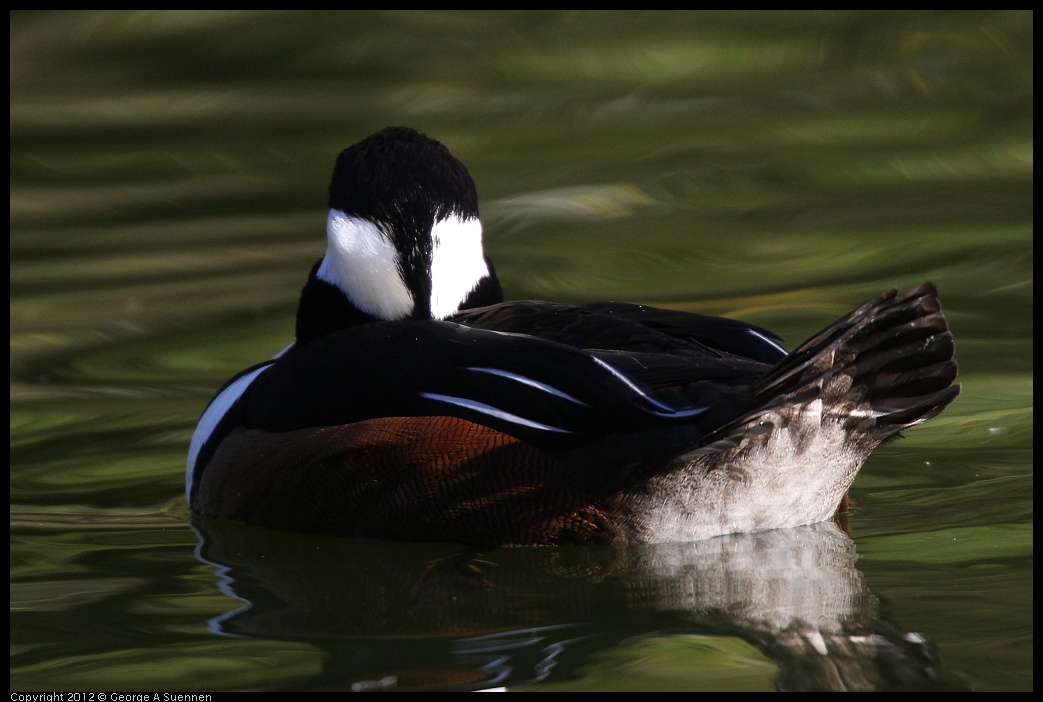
(324, 309)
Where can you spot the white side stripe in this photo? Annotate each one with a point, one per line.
(212, 416)
(530, 382)
(667, 409)
(491, 411)
(767, 340)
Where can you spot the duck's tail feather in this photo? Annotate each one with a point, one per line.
(888, 365)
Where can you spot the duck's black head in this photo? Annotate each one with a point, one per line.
(404, 238)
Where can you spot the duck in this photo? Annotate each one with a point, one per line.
(416, 403)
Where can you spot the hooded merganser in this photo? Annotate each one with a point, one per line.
(416, 404)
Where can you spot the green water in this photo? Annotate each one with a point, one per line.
(168, 196)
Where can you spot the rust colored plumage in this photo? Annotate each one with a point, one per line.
(435, 478)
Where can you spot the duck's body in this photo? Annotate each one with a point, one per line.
(416, 404)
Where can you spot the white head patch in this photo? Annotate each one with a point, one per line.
(364, 263)
(457, 263)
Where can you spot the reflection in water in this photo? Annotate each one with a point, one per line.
(425, 617)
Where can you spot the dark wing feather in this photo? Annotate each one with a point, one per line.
(619, 326)
(689, 359)
(544, 392)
